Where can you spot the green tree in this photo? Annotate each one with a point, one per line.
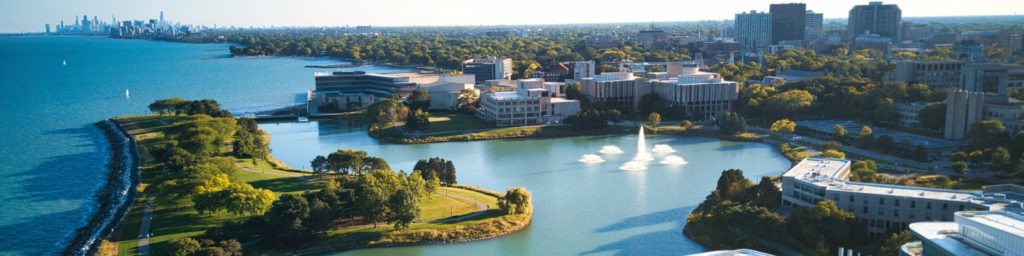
(652, 102)
(574, 91)
(932, 116)
(787, 103)
(958, 156)
(285, 221)
(999, 160)
(516, 201)
(419, 100)
(372, 203)
(832, 153)
(319, 165)
(839, 131)
(894, 242)
(732, 123)
(865, 134)
(417, 121)
(825, 224)
(986, 134)
(784, 126)
(686, 124)
(468, 101)
(184, 246)
(404, 208)
(653, 119)
(614, 115)
(165, 106)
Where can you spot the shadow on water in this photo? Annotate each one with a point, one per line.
(26, 231)
(667, 241)
(734, 147)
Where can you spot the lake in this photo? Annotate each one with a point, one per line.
(579, 209)
(52, 158)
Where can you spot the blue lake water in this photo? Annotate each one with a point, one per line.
(579, 209)
(52, 158)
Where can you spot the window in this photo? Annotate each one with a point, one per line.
(897, 203)
(928, 215)
(881, 211)
(928, 205)
(865, 210)
(881, 201)
(913, 204)
(961, 207)
(912, 215)
(851, 198)
(945, 206)
(896, 213)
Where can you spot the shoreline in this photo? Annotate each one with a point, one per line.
(115, 196)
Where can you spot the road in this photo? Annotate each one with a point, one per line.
(144, 231)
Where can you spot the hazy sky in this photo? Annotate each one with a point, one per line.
(30, 15)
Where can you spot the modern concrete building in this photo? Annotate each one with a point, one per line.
(992, 78)
(701, 94)
(346, 90)
(963, 108)
(936, 74)
(813, 25)
(444, 90)
(533, 102)
(621, 90)
(875, 18)
(491, 68)
(872, 41)
(652, 38)
(908, 113)
(583, 69)
(882, 208)
(971, 233)
(754, 30)
(788, 21)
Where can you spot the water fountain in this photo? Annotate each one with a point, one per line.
(611, 150)
(639, 162)
(673, 160)
(591, 159)
(662, 149)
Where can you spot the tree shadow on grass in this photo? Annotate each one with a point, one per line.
(287, 185)
(660, 242)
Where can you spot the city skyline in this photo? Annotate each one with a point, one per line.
(32, 16)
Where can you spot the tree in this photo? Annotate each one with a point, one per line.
(653, 119)
(345, 161)
(834, 145)
(285, 220)
(825, 224)
(239, 199)
(686, 124)
(417, 121)
(419, 100)
(516, 201)
(732, 123)
(386, 111)
(986, 134)
(865, 134)
(832, 153)
(614, 115)
(732, 185)
(894, 242)
(319, 165)
(165, 106)
(468, 101)
(432, 185)
(404, 208)
(574, 91)
(839, 131)
(787, 103)
(372, 203)
(652, 102)
(999, 160)
(184, 246)
(932, 116)
(783, 126)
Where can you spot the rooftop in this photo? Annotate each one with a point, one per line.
(1001, 220)
(942, 234)
(737, 252)
(829, 173)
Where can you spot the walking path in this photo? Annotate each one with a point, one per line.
(481, 208)
(144, 232)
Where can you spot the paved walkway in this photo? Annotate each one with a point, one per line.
(481, 208)
(144, 231)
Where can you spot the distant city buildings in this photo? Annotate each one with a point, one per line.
(652, 38)
(963, 108)
(874, 18)
(936, 74)
(125, 28)
(490, 68)
(813, 25)
(788, 22)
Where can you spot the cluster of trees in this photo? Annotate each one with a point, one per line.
(347, 161)
(180, 106)
(414, 111)
(739, 214)
(516, 201)
(732, 123)
(437, 168)
(194, 151)
(188, 246)
(992, 149)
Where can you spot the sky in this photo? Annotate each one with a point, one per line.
(31, 15)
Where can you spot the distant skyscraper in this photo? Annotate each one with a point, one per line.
(813, 24)
(753, 30)
(875, 18)
(788, 21)
(47, 28)
(162, 18)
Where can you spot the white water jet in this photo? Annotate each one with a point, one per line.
(641, 148)
(662, 149)
(634, 166)
(610, 150)
(591, 159)
(673, 160)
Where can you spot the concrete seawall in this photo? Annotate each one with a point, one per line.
(116, 195)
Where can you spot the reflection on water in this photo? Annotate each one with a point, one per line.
(580, 208)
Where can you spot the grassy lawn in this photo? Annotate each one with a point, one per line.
(456, 122)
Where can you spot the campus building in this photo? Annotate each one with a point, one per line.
(621, 90)
(963, 108)
(753, 30)
(813, 25)
(936, 74)
(908, 114)
(533, 102)
(444, 90)
(491, 68)
(788, 22)
(702, 94)
(346, 90)
(882, 208)
(875, 18)
(970, 233)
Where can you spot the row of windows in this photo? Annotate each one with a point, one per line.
(896, 202)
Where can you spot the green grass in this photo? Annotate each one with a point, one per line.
(456, 122)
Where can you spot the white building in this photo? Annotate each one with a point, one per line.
(583, 69)
(882, 207)
(970, 234)
(754, 30)
(701, 93)
(533, 102)
(444, 90)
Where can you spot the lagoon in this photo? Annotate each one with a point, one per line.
(579, 209)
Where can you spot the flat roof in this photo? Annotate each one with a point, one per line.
(941, 234)
(1004, 221)
(817, 168)
(826, 173)
(737, 252)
